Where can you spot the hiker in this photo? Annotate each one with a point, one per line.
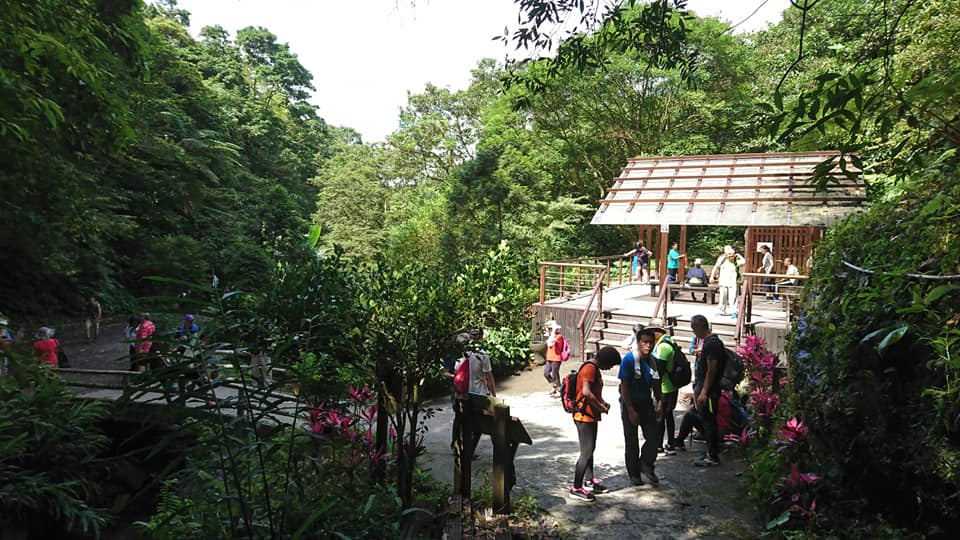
(130, 337)
(6, 340)
(706, 387)
(450, 366)
(731, 418)
(590, 406)
(46, 347)
(481, 371)
(792, 270)
(725, 273)
(766, 267)
(558, 350)
(663, 356)
(144, 346)
(638, 378)
(697, 277)
(641, 262)
(92, 322)
(673, 262)
(189, 330)
(481, 381)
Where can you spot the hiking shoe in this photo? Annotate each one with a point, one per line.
(636, 480)
(595, 486)
(581, 494)
(670, 450)
(706, 461)
(651, 475)
(679, 447)
(660, 450)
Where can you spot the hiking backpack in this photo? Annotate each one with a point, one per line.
(461, 379)
(681, 374)
(565, 350)
(568, 392)
(732, 371)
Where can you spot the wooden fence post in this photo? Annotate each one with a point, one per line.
(501, 492)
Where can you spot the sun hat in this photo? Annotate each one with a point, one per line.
(653, 327)
(697, 261)
(552, 325)
(44, 333)
(188, 317)
(728, 250)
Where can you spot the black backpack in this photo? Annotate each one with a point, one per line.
(681, 374)
(733, 370)
(62, 360)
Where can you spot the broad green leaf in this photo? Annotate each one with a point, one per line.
(939, 292)
(892, 338)
(779, 520)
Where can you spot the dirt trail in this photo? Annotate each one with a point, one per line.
(689, 502)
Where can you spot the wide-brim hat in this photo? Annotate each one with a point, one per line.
(44, 333)
(728, 250)
(697, 261)
(552, 325)
(653, 327)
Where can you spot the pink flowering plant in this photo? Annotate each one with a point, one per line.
(780, 449)
(349, 428)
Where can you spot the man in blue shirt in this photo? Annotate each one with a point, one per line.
(697, 277)
(640, 406)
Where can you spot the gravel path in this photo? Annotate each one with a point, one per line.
(689, 502)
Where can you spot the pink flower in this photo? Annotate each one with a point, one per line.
(797, 479)
(793, 431)
(392, 432)
(742, 438)
(764, 403)
(361, 395)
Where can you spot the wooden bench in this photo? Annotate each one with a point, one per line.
(676, 289)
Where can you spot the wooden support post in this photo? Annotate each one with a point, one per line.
(501, 460)
(662, 258)
(464, 458)
(683, 249)
(543, 282)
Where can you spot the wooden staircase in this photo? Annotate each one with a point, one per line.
(614, 327)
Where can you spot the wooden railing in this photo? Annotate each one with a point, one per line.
(619, 268)
(751, 280)
(590, 316)
(560, 278)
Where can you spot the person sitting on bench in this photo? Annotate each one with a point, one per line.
(792, 270)
(697, 277)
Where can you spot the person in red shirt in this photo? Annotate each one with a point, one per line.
(591, 406)
(46, 347)
(144, 332)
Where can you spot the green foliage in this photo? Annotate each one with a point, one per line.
(50, 454)
(159, 154)
(875, 357)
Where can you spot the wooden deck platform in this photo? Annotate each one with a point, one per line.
(630, 303)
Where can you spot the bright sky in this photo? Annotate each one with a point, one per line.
(365, 55)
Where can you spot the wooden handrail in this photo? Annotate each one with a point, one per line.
(597, 291)
(572, 265)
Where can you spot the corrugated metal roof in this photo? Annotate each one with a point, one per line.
(730, 189)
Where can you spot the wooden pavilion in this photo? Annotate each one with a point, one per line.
(770, 194)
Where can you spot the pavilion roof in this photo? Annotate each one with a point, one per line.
(731, 189)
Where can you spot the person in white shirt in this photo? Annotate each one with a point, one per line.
(792, 270)
(725, 274)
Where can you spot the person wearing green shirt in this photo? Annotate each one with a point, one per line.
(663, 353)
